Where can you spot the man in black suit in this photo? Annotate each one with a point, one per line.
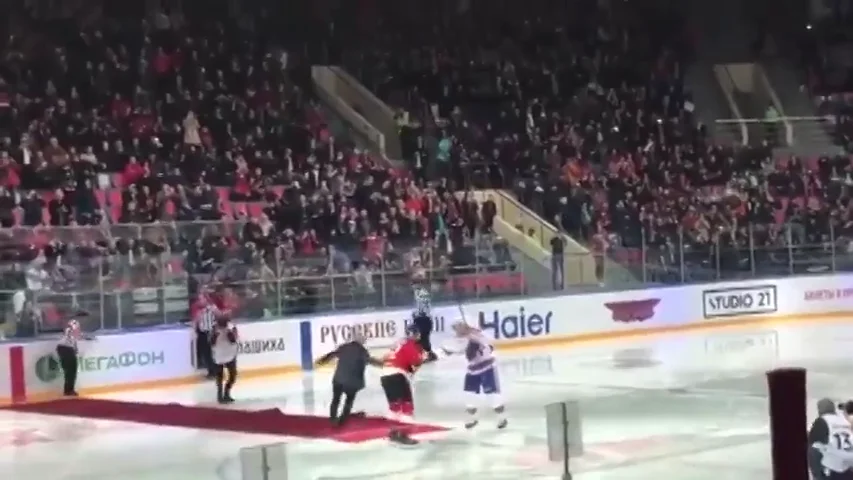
(353, 359)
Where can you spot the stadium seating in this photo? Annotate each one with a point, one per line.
(140, 162)
(590, 125)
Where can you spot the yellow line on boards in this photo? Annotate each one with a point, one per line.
(503, 345)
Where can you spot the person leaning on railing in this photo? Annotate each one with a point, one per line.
(29, 321)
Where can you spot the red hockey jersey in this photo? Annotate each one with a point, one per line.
(407, 357)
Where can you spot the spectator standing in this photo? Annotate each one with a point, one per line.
(364, 282)
(557, 262)
(772, 118)
(28, 320)
(191, 130)
(443, 156)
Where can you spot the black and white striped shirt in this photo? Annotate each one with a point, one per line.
(422, 301)
(207, 318)
(70, 336)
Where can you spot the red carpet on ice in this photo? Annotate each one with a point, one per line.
(268, 422)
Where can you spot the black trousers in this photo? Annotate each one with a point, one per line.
(203, 353)
(348, 394)
(397, 388)
(223, 386)
(425, 342)
(424, 325)
(68, 363)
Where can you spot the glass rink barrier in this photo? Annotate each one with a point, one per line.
(125, 276)
(672, 255)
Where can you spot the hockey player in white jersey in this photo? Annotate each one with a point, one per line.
(832, 436)
(481, 378)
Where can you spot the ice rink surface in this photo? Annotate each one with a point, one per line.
(688, 406)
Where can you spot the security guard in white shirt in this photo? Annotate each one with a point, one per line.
(224, 347)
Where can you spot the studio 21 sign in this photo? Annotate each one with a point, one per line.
(739, 301)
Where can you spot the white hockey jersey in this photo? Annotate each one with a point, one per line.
(838, 453)
(478, 351)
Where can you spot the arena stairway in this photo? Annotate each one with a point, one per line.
(811, 137)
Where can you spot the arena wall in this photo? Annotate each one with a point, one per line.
(743, 316)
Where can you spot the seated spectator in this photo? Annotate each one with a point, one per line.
(207, 163)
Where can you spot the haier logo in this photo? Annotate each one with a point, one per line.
(519, 324)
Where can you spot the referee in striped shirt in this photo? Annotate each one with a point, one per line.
(66, 350)
(422, 320)
(204, 323)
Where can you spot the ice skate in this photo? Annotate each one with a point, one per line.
(502, 424)
(471, 424)
(401, 438)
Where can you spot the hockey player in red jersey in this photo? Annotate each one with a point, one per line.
(400, 365)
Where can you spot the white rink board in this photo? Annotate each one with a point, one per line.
(269, 344)
(113, 360)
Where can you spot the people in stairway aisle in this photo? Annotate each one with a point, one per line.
(225, 347)
(353, 359)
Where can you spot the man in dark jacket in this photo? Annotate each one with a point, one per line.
(353, 359)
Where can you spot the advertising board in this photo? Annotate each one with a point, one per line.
(383, 329)
(165, 355)
(606, 314)
(739, 301)
(269, 345)
(111, 360)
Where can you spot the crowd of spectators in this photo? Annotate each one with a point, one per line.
(171, 151)
(586, 119)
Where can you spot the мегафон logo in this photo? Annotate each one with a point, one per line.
(47, 368)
